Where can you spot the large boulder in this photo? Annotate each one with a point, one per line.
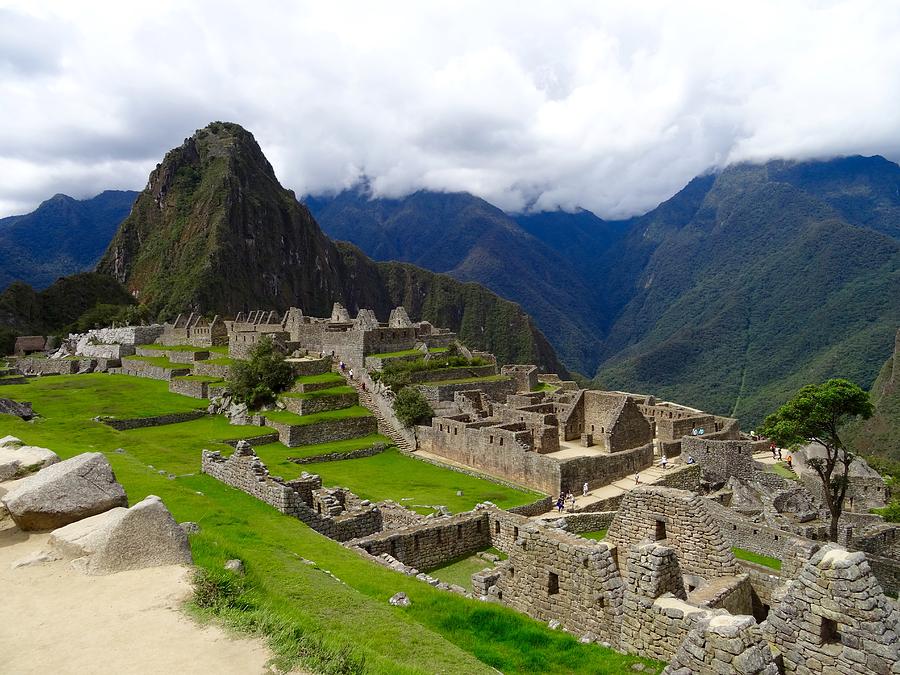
(146, 535)
(20, 460)
(65, 492)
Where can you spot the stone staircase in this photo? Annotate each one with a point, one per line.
(385, 426)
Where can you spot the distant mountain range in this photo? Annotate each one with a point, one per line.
(743, 286)
(62, 236)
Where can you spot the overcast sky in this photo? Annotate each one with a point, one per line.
(611, 106)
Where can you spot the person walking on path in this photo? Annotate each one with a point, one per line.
(773, 449)
(637, 478)
(351, 374)
(584, 490)
(789, 462)
(560, 504)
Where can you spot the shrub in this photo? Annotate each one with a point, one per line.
(411, 407)
(264, 375)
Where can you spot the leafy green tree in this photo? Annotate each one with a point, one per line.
(259, 379)
(814, 415)
(411, 407)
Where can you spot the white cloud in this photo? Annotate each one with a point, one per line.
(612, 106)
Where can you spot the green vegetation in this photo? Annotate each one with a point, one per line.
(412, 408)
(750, 556)
(277, 456)
(306, 614)
(260, 378)
(596, 535)
(103, 315)
(878, 438)
(544, 386)
(815, 415)
(318, 393)
(398, 374)
(409, 352)
(199, 378)
(891, 512)
(220, 361)
(285, 417)
(414, 483)
(217, 349)
(468, 380)
(460, 571)
(161, 361)
(320, 379)
(781, 469)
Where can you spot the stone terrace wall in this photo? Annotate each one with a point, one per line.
(588, 521)
(430, 545)
(324, 432)
(192, 388)
(314, 366)
(244, 471)
(127, 335)
(681, 520)
(460, 373)
(212, 370)
(494, 389)
(600, 470)
(721, 459)
(724, 644)
(317, 404)
(156, 421)
(137, 368)
(551, 574)
(41, 366)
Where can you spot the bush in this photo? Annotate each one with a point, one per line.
(891, 512)
(398, 375)
(412, 408)
(262, 377)
(103, 315)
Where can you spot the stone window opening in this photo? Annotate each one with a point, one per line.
(829, 632)
(478, 526)
(455, 430)
(660, 533)
(599, 600)
(515, 533)
(497, 527)
(512, 572)
(319, 508)
(501, 440)
(416, 542)
(553, 584)
(459, 531)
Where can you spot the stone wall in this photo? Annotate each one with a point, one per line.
(679, 519)
(317, 404)
(372, 450)
(724, 644)
(212, 370)
(721, 459)
(554, 575)
(137, 368)
(192, 388)
(682, 477)
(127, 335)
(311, 366)
(600, 470)
(494, 389)
(835, 618)
(110, 352)
(244, 471)
(587, 521)
(462, 372)
(429, 545)
(31, 365)
(156, 421)
(324, 432)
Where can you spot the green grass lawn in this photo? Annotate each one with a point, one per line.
(781, 469)
(332, 391)
(596, 535)
(414, 483)
(460, 571)
(468, 380)
(750, 556)
(219, 361)
(160, 361)
(285, 417)
(334, 624)
(275, 455)
(85, 396)
(319, 379)
(543, 386)
(409, 352)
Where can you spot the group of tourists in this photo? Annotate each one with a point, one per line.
(344, 369)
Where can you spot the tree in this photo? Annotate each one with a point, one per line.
(411, 407)
(260, 378)
(815, 415)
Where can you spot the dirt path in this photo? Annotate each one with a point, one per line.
(56, 620)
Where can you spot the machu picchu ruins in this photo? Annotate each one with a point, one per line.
(707, 559)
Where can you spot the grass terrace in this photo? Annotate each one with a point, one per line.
(320, 379)
(199, 378)
(460, 571)
(285, 417)
(544, 386)
(276, 456)
(596, 535)
(781, 469)
(160, 361)
(218, 349)
(333, 391)
(468, 380)
(417, 484)
(337, 625)
(750, 556)
(219, 361)
(409, 352)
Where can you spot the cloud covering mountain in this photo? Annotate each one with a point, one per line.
(610, 106)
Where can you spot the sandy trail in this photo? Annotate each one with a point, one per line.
(57, 620)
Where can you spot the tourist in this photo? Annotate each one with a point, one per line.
(690, 459)
(363, 385)
(779, 453)
(572, 499)
(584, 490)
(341, 366)
(788, 462)
(560, 504)
(773, 449)
(351, 373)
(664, 462)
(637, 478)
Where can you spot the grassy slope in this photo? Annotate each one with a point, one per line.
(440, 632)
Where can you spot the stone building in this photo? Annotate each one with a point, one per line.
(29, 344)
(195, 330)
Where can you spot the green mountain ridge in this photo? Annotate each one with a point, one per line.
(215, 232)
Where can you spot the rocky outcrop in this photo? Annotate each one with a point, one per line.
(18, 460)
(65, 492)
(146, 535)
(10, 407)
